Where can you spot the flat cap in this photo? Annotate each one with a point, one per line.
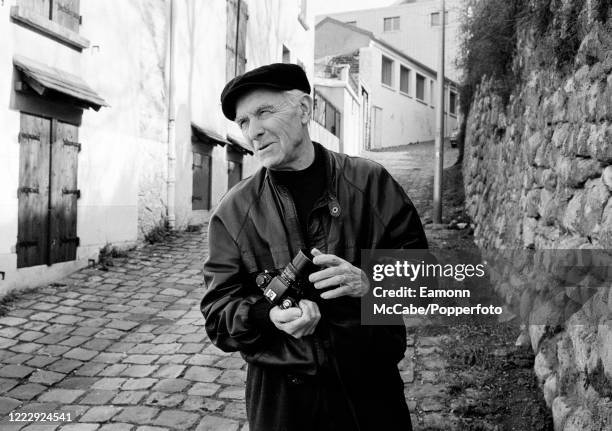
(276, 76)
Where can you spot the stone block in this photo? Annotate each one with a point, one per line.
(15, 371)
(140, 415)
(46, 377)
(574, 213)
(598, 143)
(581, 333)
(217, 423)
(139, 370)
(232, 377)
(138, 384)
(532, 203)
(98, 397)
(606, 177)
(163, 399)
(100, 414)
(574, 172)
(129, 397)
(580, 419)
(543, 366)
(117, 427)
(604, 338)
(27, 391)
(202, 374)
(561, 408)
(176, 419)
(172, 385)
(204, 389)
(81, 354)
(550, 390)
(529, 231)
(235, 410)
(63, 396)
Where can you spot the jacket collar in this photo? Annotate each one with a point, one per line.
(331, 173)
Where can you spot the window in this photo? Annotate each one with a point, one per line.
(404, 80)
(326, 114)
(420, 87)
(60, 20)
(237, 14)
(391, 23)
(387, 71)
(434, 18)
(452, 101)
(64, 12)
(286, 55)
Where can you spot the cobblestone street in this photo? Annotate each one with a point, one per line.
(125, 349)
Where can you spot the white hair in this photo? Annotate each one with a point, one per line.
(294, 97)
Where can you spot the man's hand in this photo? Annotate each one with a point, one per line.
(295, 321)
(351, 281)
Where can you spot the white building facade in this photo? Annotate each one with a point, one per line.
(413, 26)
(111, 121)
(397, 92)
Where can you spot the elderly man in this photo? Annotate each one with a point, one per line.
(311, 366)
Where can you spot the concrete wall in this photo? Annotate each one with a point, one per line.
(323, 136)
(416, 37)
(343, 98)
(335, 40)
(538, 176)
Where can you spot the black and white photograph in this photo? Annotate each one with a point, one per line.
(306, 215)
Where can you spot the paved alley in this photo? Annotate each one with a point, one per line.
(125, 349)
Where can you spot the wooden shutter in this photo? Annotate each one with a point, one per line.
(237, 16)
(66, 13)
(39, 7)
(201, 173)
(234, 167)
(242, 32)
(63, 193)
(33, 191)
(230, 44)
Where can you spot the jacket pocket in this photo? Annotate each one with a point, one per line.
(286, 354)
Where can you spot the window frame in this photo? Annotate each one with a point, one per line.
(24, 14)
(408, 76)
(437, 15)
(452, 102)
(394, 22)
(423, 79)
(382, 69)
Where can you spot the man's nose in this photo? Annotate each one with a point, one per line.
(255, 129)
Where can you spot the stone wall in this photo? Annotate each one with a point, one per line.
(538, 176)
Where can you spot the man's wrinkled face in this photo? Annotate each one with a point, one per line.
(274, 126)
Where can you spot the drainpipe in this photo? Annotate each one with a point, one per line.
(171, 179)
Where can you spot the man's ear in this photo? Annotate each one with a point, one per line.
(305, 108)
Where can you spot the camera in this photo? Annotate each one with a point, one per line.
(288, 287)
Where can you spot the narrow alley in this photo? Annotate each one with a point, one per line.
(125, 349)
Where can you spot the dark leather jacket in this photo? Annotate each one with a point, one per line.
(255, 228)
